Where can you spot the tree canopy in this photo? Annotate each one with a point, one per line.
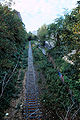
(41, 33)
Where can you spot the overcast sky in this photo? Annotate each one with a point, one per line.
(38, 12)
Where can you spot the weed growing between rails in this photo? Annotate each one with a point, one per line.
(54, 95)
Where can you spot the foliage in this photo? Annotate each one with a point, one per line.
(68, 39)
(66, 36)
(12, 41)
(8, 3)
(32, 36)
(41, 33)
(55, 96)
(24, 58)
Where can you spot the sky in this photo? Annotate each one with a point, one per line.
(35, 13)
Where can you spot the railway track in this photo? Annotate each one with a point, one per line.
(32, 104)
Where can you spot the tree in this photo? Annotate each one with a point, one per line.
(12, 39)
(8, 3)
(41, 33)
(66, 33)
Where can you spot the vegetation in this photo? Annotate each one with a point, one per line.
(42, 34)
(12, 45)
(65, 34)
(54, 94)
(32, 36)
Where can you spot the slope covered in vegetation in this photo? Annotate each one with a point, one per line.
(12, 43)
(62, 99)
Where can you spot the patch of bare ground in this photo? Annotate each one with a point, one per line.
(15, 111)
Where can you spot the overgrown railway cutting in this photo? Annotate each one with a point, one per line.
(32, 103)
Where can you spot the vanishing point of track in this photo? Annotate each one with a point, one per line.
(32, 103)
